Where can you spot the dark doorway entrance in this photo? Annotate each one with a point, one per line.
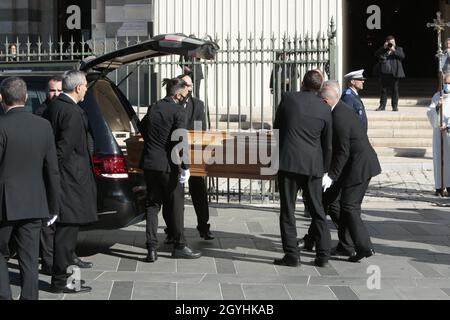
(68, 27)
(406, 20)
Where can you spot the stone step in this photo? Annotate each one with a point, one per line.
(401, 142)
(410, 125)
(415, 153)
(405, 102)
(400, 133)
(396, 116)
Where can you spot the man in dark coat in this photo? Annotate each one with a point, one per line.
(54, 89)
(196, 120)
(79, 199)
(165, 185)
(353, 165)
(305, 132)
(390, 69)
(29, 185)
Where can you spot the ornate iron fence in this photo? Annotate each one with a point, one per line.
(241, 87)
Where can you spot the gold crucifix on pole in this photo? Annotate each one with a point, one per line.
(439, 25)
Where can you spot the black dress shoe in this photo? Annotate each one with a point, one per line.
(205, 233)
(287, 261)
(379, 109)
(152, 256)
(321, 263)
(395, 110)
(82, 264)
(67, 290)
(341, 252)
(303, 244)
(357, 256)
(186, 253)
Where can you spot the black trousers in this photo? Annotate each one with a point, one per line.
(164, 189)
(290, 184)
(66, 237)
(389, 83)
(199, 195)
(351, 200)
(332, 204)
(26, 234)
(46, 245)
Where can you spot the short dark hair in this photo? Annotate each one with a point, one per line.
(390, 37)
(173, 86)
(57, 78)
(13, 91)
(181, 76)
(312, 81)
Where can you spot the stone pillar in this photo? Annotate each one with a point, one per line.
(98, 19)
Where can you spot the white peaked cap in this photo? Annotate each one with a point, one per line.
(357, 75)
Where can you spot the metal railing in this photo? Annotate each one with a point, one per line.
(241, 87)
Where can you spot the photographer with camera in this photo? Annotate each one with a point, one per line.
(390, 70)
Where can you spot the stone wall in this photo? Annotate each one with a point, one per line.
(122, 18)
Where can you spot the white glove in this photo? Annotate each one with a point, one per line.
(51, 220)
(185, 175)
(326, 182)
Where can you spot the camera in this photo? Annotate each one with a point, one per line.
(390, 45)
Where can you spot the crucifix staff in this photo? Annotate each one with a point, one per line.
(439, 25)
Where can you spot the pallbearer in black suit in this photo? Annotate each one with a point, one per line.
(196, 120)
(79, 191)
(165, 186)
(353, 164)
(29, 185)
(305, 132)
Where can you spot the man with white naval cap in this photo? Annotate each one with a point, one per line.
(355, 82)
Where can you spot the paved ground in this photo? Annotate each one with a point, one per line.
(410, 229)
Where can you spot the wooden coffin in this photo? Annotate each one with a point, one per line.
(219, 154)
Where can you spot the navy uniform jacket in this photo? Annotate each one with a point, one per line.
(354, 101)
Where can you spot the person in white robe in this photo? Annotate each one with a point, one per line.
(434, 117)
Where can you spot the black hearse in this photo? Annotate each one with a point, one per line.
(112, 119)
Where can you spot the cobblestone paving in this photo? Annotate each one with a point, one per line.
(409, 226)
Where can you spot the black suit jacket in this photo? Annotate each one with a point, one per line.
(70, 127)
(304, 123)
(195, 112)
(354, 159)
(161, 120)
(393, 62)
(29, 175)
